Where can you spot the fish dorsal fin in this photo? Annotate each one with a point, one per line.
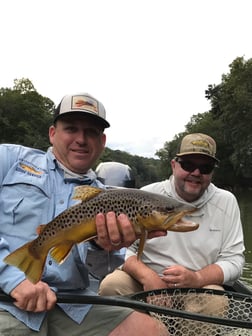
(85, 193)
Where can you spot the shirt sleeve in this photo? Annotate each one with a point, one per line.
(8, 154)
(231, 257)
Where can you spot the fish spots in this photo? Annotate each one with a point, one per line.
(147, 212)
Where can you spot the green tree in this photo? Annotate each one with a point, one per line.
(25, 115)
(231, 103)
(229, 122)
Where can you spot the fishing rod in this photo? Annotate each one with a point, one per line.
(159, 303)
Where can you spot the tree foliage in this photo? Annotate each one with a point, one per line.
(232, 105)
(229, 122)
(25, 115)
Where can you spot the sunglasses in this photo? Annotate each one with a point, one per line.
(189, 166)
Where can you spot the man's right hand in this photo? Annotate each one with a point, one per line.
(35, 298)
(115, 232)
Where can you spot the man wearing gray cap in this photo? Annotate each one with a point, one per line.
(35, 188)
(208, 257)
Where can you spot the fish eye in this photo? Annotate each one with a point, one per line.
(169, 208)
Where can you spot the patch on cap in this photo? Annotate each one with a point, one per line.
(82, 102)
(198, 143)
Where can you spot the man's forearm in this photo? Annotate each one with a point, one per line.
(211, 274)
(138, 270)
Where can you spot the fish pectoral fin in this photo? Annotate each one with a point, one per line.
(40, 229)
(85, 193)
(141, 243)
(60, 252)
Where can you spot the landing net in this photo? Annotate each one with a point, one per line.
(218, 309)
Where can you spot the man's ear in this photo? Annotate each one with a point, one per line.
(51, 133)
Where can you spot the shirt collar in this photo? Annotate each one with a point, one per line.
(69, 176)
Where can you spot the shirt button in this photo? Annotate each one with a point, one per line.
(61, 201)
(50, 262)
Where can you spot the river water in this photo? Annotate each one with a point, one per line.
(245, 202)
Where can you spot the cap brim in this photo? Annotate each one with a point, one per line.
(199, 153)
(102, 121)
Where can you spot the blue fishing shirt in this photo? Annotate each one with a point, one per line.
(34, 191)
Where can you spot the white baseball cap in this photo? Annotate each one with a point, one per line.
(81, 103)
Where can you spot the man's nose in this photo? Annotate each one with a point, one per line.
(81, 137)
(196, 171)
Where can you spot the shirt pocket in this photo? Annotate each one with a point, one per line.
(24, 199)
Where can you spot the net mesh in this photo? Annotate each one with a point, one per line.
(218, 304)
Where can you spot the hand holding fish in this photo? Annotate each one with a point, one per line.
(33, 297)
(109, 237)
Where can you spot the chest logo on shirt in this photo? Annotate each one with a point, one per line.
(30, 169)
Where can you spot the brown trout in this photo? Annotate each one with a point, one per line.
(147, 212)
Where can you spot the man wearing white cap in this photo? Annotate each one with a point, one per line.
(36, 187)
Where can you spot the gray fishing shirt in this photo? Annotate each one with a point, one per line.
(218, 240)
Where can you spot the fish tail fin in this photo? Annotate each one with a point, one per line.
(26, 262)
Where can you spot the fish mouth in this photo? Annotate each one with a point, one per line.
(178, 224)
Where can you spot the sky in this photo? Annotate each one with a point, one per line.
(148, 61)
